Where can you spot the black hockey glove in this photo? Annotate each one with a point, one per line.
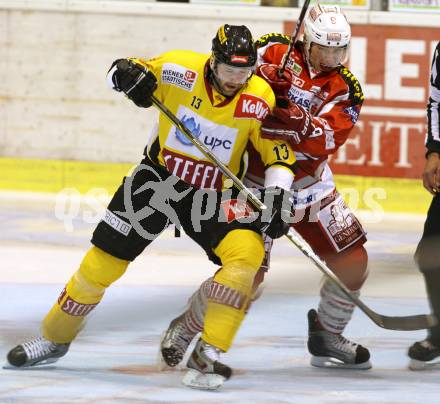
(136, 81)
(279, 206)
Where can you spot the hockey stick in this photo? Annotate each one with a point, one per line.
(294, 37)
(406, 323)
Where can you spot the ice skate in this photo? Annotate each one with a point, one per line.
(205, 371)
(424, 355)
(36, 352)
(333, 350)
(174, 343)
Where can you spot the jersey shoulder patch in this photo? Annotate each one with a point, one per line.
(355, 89)
(272, 38)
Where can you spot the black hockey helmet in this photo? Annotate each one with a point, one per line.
(234, 46)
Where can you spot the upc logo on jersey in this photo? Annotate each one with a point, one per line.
(250, 106)
(178, 76)
(212, 142)
(192, 126)
(220, 139)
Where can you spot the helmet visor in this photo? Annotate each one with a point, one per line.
(234, 75)
(327, 57)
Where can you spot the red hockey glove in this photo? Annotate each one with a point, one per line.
(280, 85)
(292, 123)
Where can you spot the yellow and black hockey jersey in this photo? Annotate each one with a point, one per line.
(224, 125)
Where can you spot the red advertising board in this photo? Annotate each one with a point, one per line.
(392, 64)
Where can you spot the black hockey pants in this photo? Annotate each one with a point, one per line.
(427, 257)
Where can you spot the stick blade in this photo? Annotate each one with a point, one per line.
(406, 323)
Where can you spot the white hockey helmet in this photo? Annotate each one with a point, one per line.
(327, 27)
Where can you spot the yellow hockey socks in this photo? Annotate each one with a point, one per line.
(241, 253)
(83, 292)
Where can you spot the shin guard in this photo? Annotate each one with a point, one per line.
(194, 316)
(334, 310)
(241, 252)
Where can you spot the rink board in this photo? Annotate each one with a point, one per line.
(367, 193)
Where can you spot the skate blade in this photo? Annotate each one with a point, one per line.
(330, 362)
(49, 361)
(202, 381)
(414, 364)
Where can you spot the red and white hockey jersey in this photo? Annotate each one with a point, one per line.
(334, 100)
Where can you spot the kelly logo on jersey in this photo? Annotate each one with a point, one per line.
(251, 107)
(178, 76)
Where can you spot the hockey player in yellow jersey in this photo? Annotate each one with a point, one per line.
(221, 102)
(224, 123)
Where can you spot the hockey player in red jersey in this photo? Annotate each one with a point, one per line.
(319, 101)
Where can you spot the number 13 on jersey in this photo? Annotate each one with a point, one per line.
(281, 151)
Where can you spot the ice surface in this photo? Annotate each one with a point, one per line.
(114, 358)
